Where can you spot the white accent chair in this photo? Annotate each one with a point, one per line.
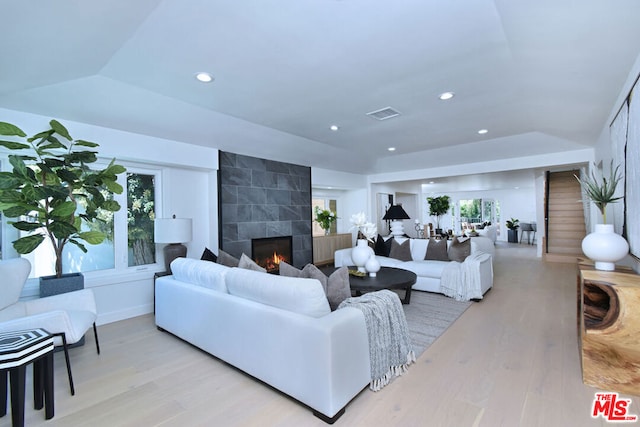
(67, 316)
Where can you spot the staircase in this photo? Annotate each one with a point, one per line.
(565, 217)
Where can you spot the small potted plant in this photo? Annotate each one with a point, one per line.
(513, 224)
(438, 206)
(603, 246)
(325, 218)
(51, 190)
(602, 192)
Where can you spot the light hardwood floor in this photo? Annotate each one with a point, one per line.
(509, 360)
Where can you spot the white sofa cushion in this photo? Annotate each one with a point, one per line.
(426, 269)
(419, 248)
(299, 295)
(389, 262)
(13, 311)
(202, 273)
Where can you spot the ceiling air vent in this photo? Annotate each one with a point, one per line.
(384, 113)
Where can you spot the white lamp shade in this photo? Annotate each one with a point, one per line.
(172, 230)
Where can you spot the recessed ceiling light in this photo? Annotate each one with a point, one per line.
(204, 77)
(431, 182)
(446, 95)
(391, 148)
(334, 128)
(482, 131)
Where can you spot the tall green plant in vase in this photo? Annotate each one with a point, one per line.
(438, 206)
(603, 246)
(601, 191)
(51, 190)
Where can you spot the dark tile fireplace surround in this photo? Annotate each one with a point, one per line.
(261, 198)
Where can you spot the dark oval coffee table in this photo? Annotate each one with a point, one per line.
(386, 278)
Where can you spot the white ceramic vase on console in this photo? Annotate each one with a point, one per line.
(360, 254)
(605, 247)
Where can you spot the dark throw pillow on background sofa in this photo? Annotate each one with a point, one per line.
(459, 250)
(399, 251)
(382, 247)
(437, 250)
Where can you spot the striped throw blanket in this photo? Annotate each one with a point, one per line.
(390, 347)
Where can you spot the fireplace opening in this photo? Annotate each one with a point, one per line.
(268, 252)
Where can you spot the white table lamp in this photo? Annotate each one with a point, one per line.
(173, 231)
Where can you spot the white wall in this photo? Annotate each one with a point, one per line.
(353, 201)
(604, 150)
(348, 189)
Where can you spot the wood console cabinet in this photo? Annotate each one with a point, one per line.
(325, 246)
(609, 329)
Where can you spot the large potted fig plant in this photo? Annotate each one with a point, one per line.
(438, 206)
(51, 192)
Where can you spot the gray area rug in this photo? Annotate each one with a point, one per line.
(429, 315)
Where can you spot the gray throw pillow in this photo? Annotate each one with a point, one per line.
(336, 287)
(226, 259)
(437, 250)
(249, 264)
(459, 250)
(402, 251)
(310, 271)
(289, 270)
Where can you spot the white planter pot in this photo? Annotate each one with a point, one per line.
(605, 247)
(360, 255)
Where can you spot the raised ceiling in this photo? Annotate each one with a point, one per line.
(542, 76)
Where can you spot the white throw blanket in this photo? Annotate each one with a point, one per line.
(390, 347)
(461, 281)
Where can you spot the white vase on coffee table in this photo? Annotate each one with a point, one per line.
(360, 254)
(372, 266)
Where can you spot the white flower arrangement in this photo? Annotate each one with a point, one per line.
(368, 229)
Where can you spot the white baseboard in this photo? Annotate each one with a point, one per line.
(115, 316)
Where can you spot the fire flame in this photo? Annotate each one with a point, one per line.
(272, 263)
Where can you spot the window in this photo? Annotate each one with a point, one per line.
(477, 211)
(470, 211)
(140, 216)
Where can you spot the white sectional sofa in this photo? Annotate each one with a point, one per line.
(277, 329)
(478, 266)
